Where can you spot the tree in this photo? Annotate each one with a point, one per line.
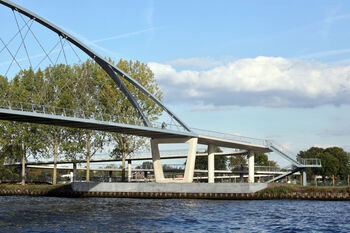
(25, 87)
(88, 89)
(237, 162)
(262, 159)
(343, 161)
(220, 162)
(330, 165)
(116, 105)
(59, 89)
(334, 160)
(85, 90)
(9, 154)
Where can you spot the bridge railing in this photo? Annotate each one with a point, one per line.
(310, 162)
(267, 168)
(232, 137)
(83, 114)
(165, 166)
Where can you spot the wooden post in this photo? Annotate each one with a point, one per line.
(349, 180)
(333, 181)
(301, 179)
(315, 180)
(23, 182)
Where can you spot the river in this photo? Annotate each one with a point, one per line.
(46, 214)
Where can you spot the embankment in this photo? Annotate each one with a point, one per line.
(273, 192)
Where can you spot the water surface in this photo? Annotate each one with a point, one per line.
(46, 214)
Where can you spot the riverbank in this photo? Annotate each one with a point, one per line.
(273, 192)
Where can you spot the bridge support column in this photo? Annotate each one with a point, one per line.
(157, 164)
(23, 172)
(129, 171)
(211, 163)
(110, 174)
(304, 177)
(251, 167)
(74, 172)
(190, 163)
(191, 160)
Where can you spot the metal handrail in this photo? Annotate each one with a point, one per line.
(310, 161)
(79, 113)
(267, 168)
(233, 137)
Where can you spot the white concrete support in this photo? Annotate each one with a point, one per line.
(74, 172)
(190, 163)
(157, 164)
(211, 163)
(304, 178)
(129, 171)
(110, 173)
(251, 167)
(191, 160)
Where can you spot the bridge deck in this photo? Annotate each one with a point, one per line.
(133, 158)
(150, 132)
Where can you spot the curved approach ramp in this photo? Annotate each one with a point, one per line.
(25, 24)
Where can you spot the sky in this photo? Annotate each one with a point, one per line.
(278, 70)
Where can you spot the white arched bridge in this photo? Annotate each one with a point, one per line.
(175, 131)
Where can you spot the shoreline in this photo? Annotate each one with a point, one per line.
(273, 192)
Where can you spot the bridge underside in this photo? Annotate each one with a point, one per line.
(158, 136)
(79, 123)
(149, 132)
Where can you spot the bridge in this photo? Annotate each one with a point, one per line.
(175, 132)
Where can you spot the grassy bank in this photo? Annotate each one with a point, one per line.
(290, 188)
(42, 189)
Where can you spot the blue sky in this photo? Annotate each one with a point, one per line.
(266, 69)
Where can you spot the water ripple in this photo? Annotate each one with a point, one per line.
(45, 214)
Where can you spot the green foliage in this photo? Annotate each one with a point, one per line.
(82, 87)
(334, 160)
(220, 162)
(238, 162)
(261, 159)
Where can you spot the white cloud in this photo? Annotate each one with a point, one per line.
(266, 81)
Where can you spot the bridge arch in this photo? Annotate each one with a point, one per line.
(114, 72)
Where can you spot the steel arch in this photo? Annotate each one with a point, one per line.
(111, 70)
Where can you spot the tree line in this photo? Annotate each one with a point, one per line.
(335, 161)
(86, 88)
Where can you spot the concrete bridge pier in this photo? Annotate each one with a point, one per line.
(211, 163)
(129, 171)
(304, 177)
(190, 163)
(110, 174)
(74, 172)
(251, 167)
